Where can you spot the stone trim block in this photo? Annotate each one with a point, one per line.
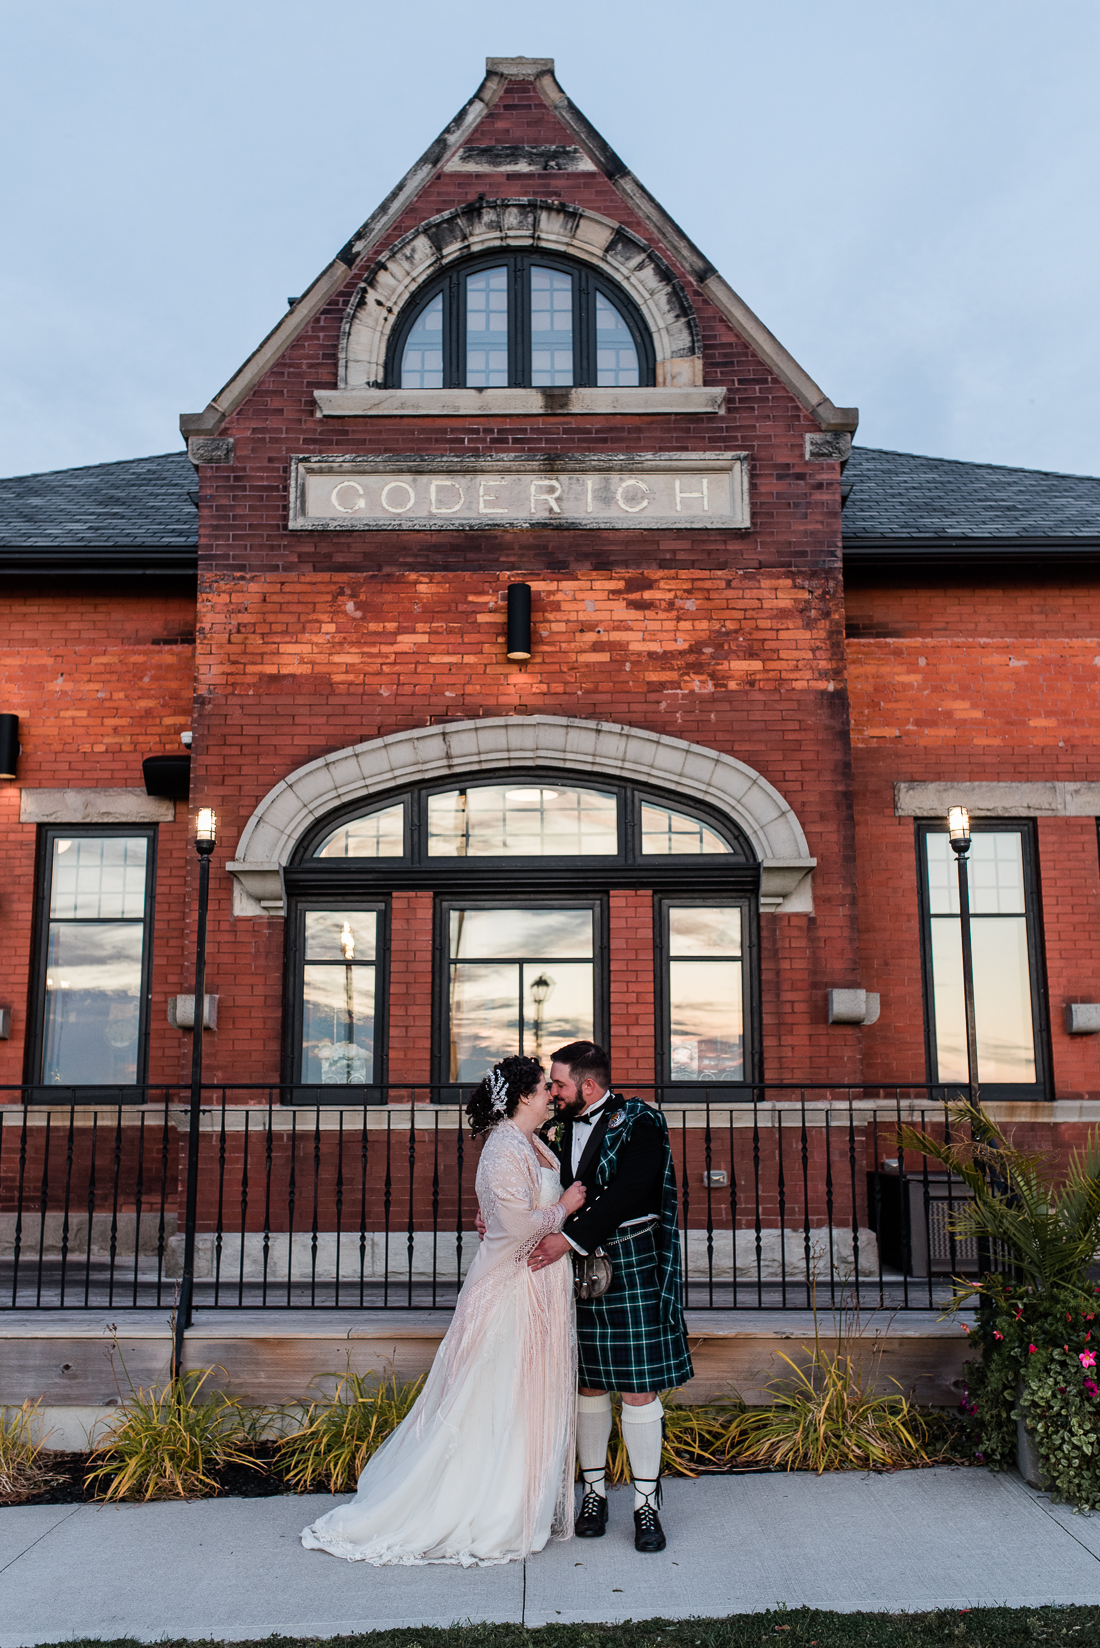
(526, 403)
(94, 806)
(210, 449)
(181, 1012)
(1082, 1018)
(997, 800)
(828, 448)
(423, 754)
(854, 1007)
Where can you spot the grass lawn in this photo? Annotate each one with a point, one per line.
(813, 1627)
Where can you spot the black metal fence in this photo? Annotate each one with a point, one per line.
(788, 1192)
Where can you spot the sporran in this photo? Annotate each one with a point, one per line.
(591, 1274)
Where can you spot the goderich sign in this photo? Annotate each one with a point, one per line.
(646, 490)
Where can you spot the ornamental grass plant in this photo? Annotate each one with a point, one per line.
(167, 1441)
(338, 1433)
(1037, 1329)
(23, 1470)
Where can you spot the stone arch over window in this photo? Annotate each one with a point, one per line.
(422, 754)
(484, 227)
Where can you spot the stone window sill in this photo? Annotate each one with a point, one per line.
(497, 403)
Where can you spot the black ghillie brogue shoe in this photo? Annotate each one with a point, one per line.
(649, 1536)
(591, 1522)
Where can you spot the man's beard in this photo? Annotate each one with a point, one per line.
(568, 1108)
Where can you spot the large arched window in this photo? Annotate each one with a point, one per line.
(520, 320)
(523, 870)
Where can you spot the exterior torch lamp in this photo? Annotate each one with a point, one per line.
(958, 833)
(206, 836)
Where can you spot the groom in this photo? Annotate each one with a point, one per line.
(633, 1339)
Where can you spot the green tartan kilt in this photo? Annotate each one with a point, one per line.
(624, 1340)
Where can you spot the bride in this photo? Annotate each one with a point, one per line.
(481, 1470)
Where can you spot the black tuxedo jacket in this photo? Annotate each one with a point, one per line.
(634, 1192)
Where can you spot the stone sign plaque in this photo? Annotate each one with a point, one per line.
(630, 491)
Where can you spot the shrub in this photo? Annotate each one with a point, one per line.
(824, 1418)
(1037, 1324)
(338, 1434)
(166, 1442)
(23, 1472)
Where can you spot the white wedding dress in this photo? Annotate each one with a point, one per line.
(481, 1470)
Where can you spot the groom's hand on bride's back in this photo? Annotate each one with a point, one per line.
(479, 1225)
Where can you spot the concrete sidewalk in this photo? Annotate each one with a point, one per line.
(233, 1568)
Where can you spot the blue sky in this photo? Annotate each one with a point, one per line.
(906, 194)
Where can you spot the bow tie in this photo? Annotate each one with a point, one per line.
(586, 1121)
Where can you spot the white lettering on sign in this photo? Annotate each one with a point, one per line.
(700, 490)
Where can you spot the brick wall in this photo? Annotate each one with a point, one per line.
(974, 678)
(100, 677)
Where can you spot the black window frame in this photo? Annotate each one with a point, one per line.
(663, 902)
(371, 1092)
(1029, 1092)
(444, 903)
(504, 882)
(586, 283)
(34, 1049)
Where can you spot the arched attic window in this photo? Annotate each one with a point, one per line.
(520, 320)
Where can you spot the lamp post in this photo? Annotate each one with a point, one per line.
(958, 833)
(206, 835)
(540, 988)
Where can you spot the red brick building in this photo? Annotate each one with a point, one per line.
(698, 811)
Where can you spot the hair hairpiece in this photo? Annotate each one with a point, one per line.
(498, 1092)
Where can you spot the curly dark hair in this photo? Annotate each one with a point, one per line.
(521, 1074)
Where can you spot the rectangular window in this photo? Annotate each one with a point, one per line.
(1004, 943)
(519, 980)
(702, 956)
(95, 909)
(339, 994)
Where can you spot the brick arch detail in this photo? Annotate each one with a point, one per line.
(513, 225)
(462, 748)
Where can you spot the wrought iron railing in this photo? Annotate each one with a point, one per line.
(788, 1191)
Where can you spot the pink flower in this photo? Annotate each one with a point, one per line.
(1087, 1358)
(1031, 1349)
(964, 1327)
(1092, 1387)
(997, 1335)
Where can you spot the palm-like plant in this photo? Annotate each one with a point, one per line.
(1049, 1232)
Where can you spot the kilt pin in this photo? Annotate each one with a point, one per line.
(634, 1338)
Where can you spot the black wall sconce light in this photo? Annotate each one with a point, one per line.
(9, 745)
(519, 622)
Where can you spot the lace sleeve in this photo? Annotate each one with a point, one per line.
(508, 1181)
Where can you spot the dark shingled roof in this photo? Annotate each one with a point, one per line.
(897, 495)
(141, 505)
(140, 515)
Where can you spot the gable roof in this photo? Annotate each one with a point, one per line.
(456, 136)
(139, 515)
(900, 503)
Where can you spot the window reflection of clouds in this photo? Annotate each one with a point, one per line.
(338, 1025)
(483, 934)
(379, 835)
(98, 878)
(521, 821)
(705, 993)
(999, 942)
(493, 1009)
(664, 831)
(325, 929)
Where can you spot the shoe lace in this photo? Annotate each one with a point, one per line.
(591, 1503)
(647, 1517)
